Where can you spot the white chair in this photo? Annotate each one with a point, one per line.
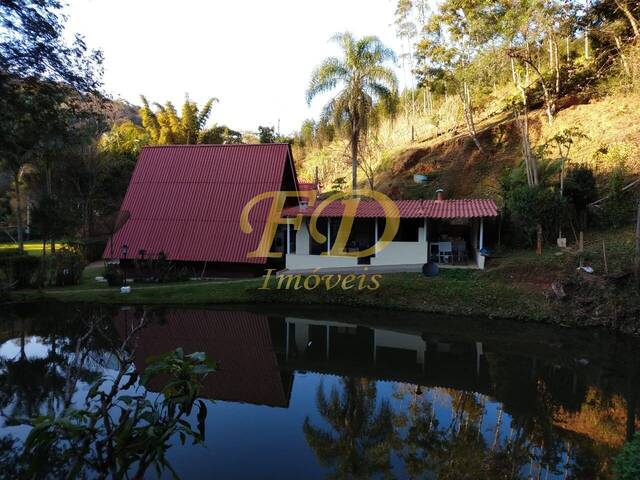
(445, 252)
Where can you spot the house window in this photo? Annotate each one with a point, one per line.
(409, 230)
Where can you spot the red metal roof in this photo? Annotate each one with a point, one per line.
(240, 343)
(186, 200)
(459, 208)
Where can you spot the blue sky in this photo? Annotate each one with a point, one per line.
(255, 56)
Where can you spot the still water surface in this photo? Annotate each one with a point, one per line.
(318, 393)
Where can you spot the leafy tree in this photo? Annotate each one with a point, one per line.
(30, 117)
(165, 127)
(532, 208)
(32, 44)
(619, 205)
(359, 442)
(580, 189)
(363, 80)
(221, 134)
(627, 463)
(266, 134)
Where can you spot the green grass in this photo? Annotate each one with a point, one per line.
(454, 291)
(33, 247)
(513, 287)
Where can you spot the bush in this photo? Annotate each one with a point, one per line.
(618, 209)
(627, 463)
(91, 248)
(580, 190)
(64, 268)
(530, 206)
(21, 271)
(114, 276)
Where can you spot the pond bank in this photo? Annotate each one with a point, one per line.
(453, 292)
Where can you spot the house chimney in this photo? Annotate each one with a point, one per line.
(439, 194)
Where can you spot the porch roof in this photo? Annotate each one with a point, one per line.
(455, 208)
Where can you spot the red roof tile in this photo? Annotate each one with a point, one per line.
(462, 208)
(306, 186)
(186, 200)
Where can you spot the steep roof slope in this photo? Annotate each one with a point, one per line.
(186, 200)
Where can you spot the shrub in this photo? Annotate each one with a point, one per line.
(580, 190)
(21, 271)
(530, 206)
(627, 463)
(618, 209)
(64, 268)
(114, 276)
(91, 248)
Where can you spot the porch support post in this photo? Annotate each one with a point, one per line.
(328, 340)
(375, 236)
(288, 238)
(426, 234)
(328, 235)
(481, 233)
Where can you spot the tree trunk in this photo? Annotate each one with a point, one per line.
(586, 33)
(468, 115)
(538, 239)
(622, 5)
(556, 51)
(354, 159)
(16, 179)
(623, 57)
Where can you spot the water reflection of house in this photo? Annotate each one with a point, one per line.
(245, 346)
(422, 359)
(257, 355)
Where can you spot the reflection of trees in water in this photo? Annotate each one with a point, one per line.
(41, 385)
(563, 420)
(457, 449)
(360, 439)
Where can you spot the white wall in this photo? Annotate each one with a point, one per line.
(401, 253)
(301, 262)
(302, 239)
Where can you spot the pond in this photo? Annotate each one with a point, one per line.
(312, 393)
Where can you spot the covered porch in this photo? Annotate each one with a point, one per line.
(435, 230)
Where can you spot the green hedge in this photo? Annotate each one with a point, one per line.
(20, 271)
(26, 271)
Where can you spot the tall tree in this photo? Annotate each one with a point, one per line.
(363, 80)
(32, 44)
(165, 126)
(360, 437)
(452, 39)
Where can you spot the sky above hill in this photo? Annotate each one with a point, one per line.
(255, 56)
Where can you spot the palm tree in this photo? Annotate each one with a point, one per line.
(360, 437)
(363, 79)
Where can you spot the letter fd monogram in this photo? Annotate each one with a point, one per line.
(350, 201)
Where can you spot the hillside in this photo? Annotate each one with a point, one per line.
(452, 161)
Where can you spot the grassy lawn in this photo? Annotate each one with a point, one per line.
(33, 247)
(454, 291)
(514, 286)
